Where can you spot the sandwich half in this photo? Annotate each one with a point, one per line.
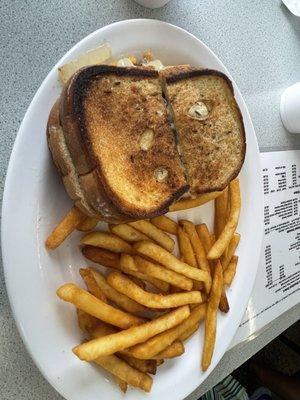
(112, 142)
(208, 124)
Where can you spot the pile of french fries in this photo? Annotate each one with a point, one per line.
(150, 301)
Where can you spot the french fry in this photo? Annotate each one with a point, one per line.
(165, 224)
(103, 329)
(86, 322)
(167, 259)
(101, 256)
(211, 317)
(184, 204)
(223, 304)
(128, 266)
(185, 247)
(107, 241)
(121, 340)
(225, 259)
(154, 233)
(152, 300)
(204, 236)
(162, 273)
(88, 224)
(159, 362)
(120, 369)
(197, 245)
(127, 232)
(96, 307)
(221, 206)
(125, 372)
(187, 253)
(64, 228)
(199, 250)
(189, 332)
(118, 298)
(230, 271)
(235, 206)
(158, 343)
(122, 385)
(138, 281)
(91, 284)
(147, 366)
(176, 349)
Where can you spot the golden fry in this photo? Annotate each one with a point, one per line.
(107, 241)
(127, 232)
(223, 305)
(96, 307)
(138, 281)
(199, 250)
(125, 372)
(184, 204)
(167, 259)
(187, 253)
(185, 247)
(64, 228)
(158, 343)
(152, 300)
(204, 236)
(91, 284)
(104, 329)
(175, 349)
(121, 340)
(147, 366)
(101, 256)
(162, 273)
(128, 266)
(86, 322)
(118, 298)
(122, 385)
(225, 260)
(197, 245)
(221, 206)
(230, 271)
(165, 224)
(154, 233)
(224, 239)
(189, 332)
(211, 317)
(88, 224)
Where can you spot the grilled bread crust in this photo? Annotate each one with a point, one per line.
(213, 149)
(83, 189)
(106, 113)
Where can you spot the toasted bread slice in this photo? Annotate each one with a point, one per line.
(209, 126)
(115, 124)
(84, 189)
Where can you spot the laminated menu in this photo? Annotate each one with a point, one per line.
(277, 285)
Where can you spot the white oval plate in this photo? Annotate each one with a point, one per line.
(34, 200)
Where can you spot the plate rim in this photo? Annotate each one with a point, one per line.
(9, 173)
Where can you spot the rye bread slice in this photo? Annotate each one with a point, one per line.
(212, 146)
(115, 123)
